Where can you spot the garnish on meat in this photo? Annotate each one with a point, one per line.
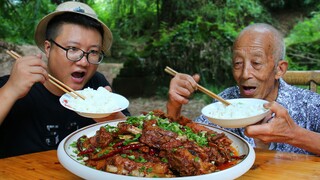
(154, 145)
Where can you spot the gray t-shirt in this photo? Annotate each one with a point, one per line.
(303, 106)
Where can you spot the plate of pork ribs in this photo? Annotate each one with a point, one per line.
(153, 145)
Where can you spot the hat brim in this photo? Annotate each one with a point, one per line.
(40, 32)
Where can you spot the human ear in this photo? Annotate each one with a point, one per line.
(47, 47)
(281, 69)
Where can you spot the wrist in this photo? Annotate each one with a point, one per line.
(173, 109)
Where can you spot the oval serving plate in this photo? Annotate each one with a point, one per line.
(69, 160)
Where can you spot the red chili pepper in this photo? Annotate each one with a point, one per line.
(116, 151)
(90, 149)
(87, 151)
(118, 144)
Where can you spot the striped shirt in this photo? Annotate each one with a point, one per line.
(303, 107)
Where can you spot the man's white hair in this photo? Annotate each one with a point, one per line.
(278, 47)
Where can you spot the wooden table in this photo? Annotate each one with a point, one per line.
(268, 165)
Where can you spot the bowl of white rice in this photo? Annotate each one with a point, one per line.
(240, 113)
(98, 103)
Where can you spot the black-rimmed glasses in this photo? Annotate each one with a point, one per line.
(75, 54)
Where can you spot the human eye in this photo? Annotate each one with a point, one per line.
(237, 63)
(73, 49)
(94, 53)
(256, 64)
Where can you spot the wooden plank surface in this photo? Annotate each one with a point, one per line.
(268, 165)
(43, 165)
(279, 165)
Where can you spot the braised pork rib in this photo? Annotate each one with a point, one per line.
(154, 145)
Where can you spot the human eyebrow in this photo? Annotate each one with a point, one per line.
(257, 52)
(237, 53)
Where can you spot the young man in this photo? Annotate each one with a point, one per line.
(258, 65)
(31, 117)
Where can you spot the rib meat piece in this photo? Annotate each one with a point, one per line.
(154, 136)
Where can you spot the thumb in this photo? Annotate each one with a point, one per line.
(196, 77)
(108, 88)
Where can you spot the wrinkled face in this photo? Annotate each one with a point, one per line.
(254, 66)
(74, 74)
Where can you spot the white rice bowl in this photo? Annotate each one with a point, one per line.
(97, 103)
(242, 112)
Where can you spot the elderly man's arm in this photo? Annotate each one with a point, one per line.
(283, 129)
(307, 140)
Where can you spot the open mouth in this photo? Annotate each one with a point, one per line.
(249, 90)
(78, 75)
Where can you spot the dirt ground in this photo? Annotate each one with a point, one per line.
(110, 70)
(138, 105)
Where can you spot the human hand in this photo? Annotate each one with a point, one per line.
(181, 88)
(25, 72)
(280, 128)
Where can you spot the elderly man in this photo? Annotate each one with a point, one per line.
(74, 41)
(258, 65)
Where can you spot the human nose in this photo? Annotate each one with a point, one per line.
(247, 71)
(84, 59)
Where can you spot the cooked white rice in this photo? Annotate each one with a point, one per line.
(96, 101)
(236, 110)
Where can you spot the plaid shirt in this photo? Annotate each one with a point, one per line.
(303, 107)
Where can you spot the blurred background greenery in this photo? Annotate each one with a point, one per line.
(193, 36)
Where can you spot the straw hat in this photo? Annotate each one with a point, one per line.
(74, 7)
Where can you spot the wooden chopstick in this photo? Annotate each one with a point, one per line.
(53, 80)
(201, 88)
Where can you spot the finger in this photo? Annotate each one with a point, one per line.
(108, 88)
(268, 118)
(187, 81)
(196, 77)
(256, 130)
(177, 97)
(277, 109)
(37, 70)
(192, 86)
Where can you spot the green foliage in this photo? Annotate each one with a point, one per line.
(193, 36)
(192, 47)
(132, 18)
(203, 45)
(303, 44)
(282, 4)
(305, 31)
(19, 19)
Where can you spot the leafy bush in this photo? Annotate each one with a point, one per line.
(282, 4)
(203, 45)
(303, 45)
(19, 19)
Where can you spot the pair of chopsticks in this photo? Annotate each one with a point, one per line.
(53, 80)
(201, 88)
